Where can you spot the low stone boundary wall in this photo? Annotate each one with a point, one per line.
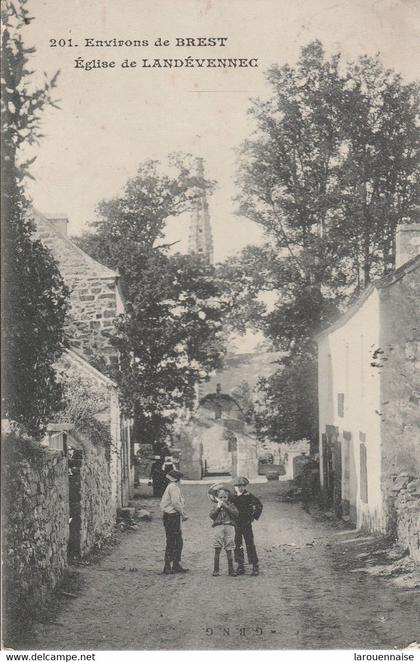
(36, 523)
(92, 506)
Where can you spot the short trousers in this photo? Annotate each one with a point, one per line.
(224, 537)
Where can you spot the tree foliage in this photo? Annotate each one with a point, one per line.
(34, 300)
(171, 336)
(83, 406)
(286, 408)
(244, 396)
(333, 166)
(329, 172)
(130, 227)
(170, 340)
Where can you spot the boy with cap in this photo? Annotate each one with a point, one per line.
(224, 515)
(172, 505)
(249, 509)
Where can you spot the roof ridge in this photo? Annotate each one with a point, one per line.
(380, 283)
(112, 273)
(79, 357)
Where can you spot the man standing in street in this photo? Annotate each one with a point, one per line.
(172, 505)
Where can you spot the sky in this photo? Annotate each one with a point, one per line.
(112, 119)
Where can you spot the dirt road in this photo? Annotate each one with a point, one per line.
(305, 597)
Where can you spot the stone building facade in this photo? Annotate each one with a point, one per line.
(369, 396)
(95, 293)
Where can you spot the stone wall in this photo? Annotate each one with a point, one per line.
(97, 511)
(36, 523)
(399, 365)
(187, 440)
(91, 317)
(247, 462)
(407, 514)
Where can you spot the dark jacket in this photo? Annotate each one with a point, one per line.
(249, 507)
(227, 514)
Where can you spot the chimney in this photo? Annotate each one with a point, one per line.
(58, 222)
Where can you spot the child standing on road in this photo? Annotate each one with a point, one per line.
(249, 509)
(224, 515)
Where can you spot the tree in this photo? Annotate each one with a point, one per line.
(331, 169)
(170, 340)
(244, 396)
(379, 178)
(171, 336)
(34, 300)
(130, 226)
(333, 166)
(245, 276)
(286, 402)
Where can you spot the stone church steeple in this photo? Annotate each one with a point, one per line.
(200, 239)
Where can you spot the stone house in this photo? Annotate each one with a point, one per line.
(96, 297)
(369, 396)
(96, 300)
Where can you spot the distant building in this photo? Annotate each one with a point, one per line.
(217, 441)
(369, 398)
(200, 241)
(213, 444)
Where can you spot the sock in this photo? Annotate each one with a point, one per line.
(216, 559)
(230, 561)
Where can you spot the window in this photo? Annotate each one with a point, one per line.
(340, 404)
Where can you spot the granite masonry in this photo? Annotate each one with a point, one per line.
(36, 519)
(91, 503)
(95, 293)
(407, 513)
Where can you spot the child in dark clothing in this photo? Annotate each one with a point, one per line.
(224, 515)
(249, 509)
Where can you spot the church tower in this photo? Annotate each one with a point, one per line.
(200, 239)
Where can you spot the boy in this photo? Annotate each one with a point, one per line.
(249, 508)
(224, 515)
(172, 505)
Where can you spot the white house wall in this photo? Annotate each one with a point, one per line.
(345, 358)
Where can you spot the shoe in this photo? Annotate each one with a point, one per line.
(179, 568)
(240, 570)
(255, 571)
(216, 573)
(232, 573)
(167, 570)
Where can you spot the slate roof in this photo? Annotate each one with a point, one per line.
(76, 260)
